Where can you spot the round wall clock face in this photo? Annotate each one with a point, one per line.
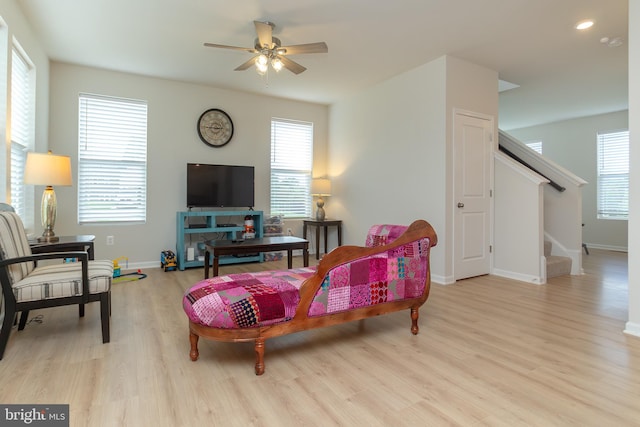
(215, 127)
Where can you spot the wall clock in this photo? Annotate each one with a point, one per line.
(215, 127)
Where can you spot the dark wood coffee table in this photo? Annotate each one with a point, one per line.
(251, 246)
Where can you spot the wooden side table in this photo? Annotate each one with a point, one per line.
(322, 224)
(82, 242)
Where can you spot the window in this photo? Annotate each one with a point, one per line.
(613, 175)
(18, 188)
(22, 130)
(112, 160)
(291, 161)
(535, 146)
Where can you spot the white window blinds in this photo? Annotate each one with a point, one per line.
(291, 162)
(22, 123)
(535, 146)
(18, 189)
(613, 175)
(112, 160)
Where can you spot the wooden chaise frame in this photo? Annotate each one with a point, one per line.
(417, 230)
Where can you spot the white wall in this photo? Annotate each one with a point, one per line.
(572, 145)
(390, 150)
(519, 222)
(173, 109)
(387, 155)
(633, 325)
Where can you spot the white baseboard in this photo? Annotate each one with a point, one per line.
(442, 280)
(519, 276)
(632, 328)
(607, 247)
(142, 265)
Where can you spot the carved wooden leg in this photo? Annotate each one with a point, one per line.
(193, 338)
(414, 321)
(259, 348)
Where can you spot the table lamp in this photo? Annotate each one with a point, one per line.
(320, 187)
(48, 169)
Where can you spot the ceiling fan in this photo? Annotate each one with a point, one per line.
(269, 50)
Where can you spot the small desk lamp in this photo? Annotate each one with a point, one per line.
(320, 187)
(48, 169)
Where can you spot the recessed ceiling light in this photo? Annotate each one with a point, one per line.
(583, 25)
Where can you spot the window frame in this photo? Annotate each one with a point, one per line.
(22, 132)
(112, 160)
(294, 138)
(612, 170)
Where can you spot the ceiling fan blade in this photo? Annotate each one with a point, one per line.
(264, 30)
(292, 66)
(224, 46)
(246, 65)
(320, 47)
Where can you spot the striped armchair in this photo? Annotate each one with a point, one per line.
(28, 286)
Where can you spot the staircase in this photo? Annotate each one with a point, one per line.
(552, 197)
(556, 265)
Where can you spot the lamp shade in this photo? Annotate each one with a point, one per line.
(47, 169)
(321, 187)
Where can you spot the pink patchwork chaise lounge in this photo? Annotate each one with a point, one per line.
(390, 273)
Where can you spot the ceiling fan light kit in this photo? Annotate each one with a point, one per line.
(612, 41)
(268, 50)
(585, 24)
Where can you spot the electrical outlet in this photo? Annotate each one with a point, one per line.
(289, 232)
(109, 240)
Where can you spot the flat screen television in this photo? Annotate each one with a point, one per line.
(218, 186)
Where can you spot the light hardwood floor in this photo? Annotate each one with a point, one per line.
(491, 352)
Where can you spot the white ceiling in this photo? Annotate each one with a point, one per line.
(561, 73)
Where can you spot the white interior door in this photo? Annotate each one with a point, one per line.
(472, 145)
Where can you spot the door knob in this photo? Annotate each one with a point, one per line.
(461, 205)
